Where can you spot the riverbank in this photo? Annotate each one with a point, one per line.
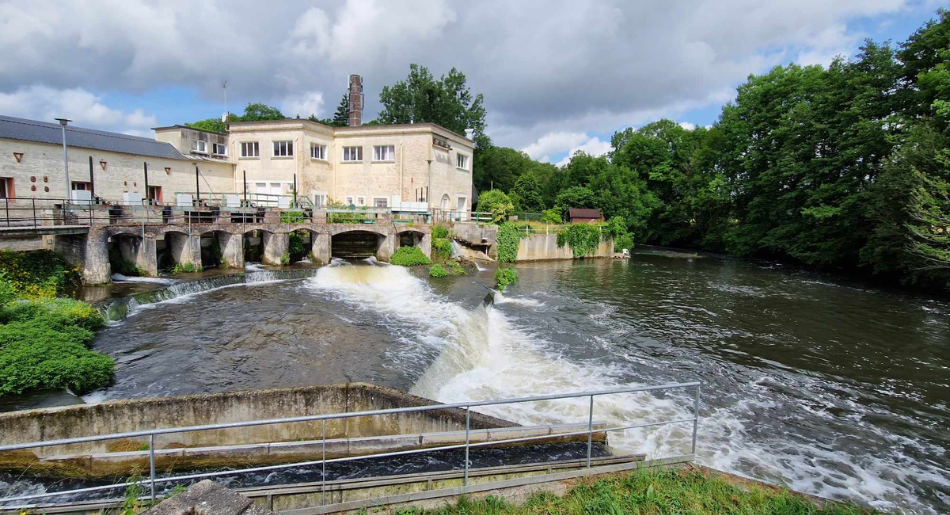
(649, 491)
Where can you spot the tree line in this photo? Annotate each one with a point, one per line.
(845, 167)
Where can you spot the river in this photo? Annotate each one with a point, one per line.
(826, 386)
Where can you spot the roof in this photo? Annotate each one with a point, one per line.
(358, 128)
(46, 132)
(177, 126)
(576, 212)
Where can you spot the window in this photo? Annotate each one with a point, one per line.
(6, 188)
(219, 149)
(155, 194)
(320, 199)
(318, 151)
(352, 154)
(250, 149)
(384, 153)
(380, 202)
(81, 186)
(199, 146)
(461, 161)
(283, 149)
(349, 201)
(360, 201)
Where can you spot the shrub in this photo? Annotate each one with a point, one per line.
(186, 268)
(504, 277)
(291, 217)
(507, 240)
(409, 256)
(37, 273)
(440, 231)
(437, 271)
(455, 268)
(583, 239)
(120, 265)
(44, 345)
(285, 258)
(617, 228)
(441, 249)
(298, 250)
(7, 291)
(496, 203)
(551, 216)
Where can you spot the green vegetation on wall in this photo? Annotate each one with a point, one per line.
(507, 242)
(37, 274)
(186, 268)
(441, 244)
(409, 256)
(437, 270)
(455, 268)
(297, 248)
(583, 239)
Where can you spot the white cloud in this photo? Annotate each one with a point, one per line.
(554, 143)
(593, 147)
(545, 67)
(687, 125)
(84, 108)
(303, 104)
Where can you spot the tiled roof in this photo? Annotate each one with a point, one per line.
(46, 132)
(576, 212)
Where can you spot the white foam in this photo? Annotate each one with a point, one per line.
(119, 278)
(501, 298)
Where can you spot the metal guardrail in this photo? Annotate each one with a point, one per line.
(467, 446)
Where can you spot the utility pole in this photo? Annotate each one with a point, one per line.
(62, 123)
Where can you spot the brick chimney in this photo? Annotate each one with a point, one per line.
(356, 101)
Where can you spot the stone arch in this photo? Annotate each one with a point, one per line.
(444, 203)
(131, 254)
(221, 249)
(179, 248)
(357, 243)
(409, 238)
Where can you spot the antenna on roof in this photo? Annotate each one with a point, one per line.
(227, 114)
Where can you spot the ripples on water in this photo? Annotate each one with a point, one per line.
(826, 387)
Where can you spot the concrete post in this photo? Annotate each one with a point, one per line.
(140, 251)
(320, 247)
(232, 249)
(184, 249)
(425, 245)
(96, 267)
(386, 247)
(275, 246)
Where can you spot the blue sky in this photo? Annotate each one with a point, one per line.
(558, 76)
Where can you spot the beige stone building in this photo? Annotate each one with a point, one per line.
(104, 164)
(404, 168)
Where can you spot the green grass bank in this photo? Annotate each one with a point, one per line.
(688, 491)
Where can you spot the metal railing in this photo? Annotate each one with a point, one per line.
(460, 216)
(467, 446)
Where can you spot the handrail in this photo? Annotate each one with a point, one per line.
(467, 406)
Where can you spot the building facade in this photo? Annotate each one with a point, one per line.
(413, 167)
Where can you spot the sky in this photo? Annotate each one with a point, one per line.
(558, 76)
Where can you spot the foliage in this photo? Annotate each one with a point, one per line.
(551, 216)
(496, 203)
(440, 231)
(341, 118)
(455, 268)
(37, 273)
(500, 167)
(186, 268)
(253, 112)
(583, 239)
(285, 259)
(352, 217)
(409, 256)
(437, 271)
(446, 101)
(508, 239)
(655, 491)
(528, 190)
(291, 217)
(297, 248)
(44, 345)
(575, 196)
(7, 291)
(123, 266)
(441, 249)
(617, 229)
(504, 277)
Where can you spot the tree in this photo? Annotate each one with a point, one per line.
(528, 190)
(496, 203)
(341, 118)
(446, 102)
(259, 112)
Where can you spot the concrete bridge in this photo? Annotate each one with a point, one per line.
(149, 246)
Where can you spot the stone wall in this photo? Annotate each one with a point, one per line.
(538, 247)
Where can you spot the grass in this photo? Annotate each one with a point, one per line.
(654, 492)
(409, 256)
(437, 271)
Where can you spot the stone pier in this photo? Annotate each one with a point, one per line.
(232, 249)
(275, 246)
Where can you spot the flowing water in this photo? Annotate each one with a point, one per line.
(829, 387)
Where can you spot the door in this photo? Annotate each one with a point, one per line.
(461, 210)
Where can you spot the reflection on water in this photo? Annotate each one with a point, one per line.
(825, 386)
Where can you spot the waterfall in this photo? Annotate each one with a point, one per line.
(456, 250)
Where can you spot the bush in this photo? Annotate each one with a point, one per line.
(455, 268)
(38, 273)
(504, 277)
(7, 291)
(551, 216)
(507, 240)
(617, 228)
(298, 250)
(44, 345)
(291, 217)
(496, 203)
(437, 271)
(440, 231)
(441, 249)
(409, 256)
(583, 239)
(186, 268)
